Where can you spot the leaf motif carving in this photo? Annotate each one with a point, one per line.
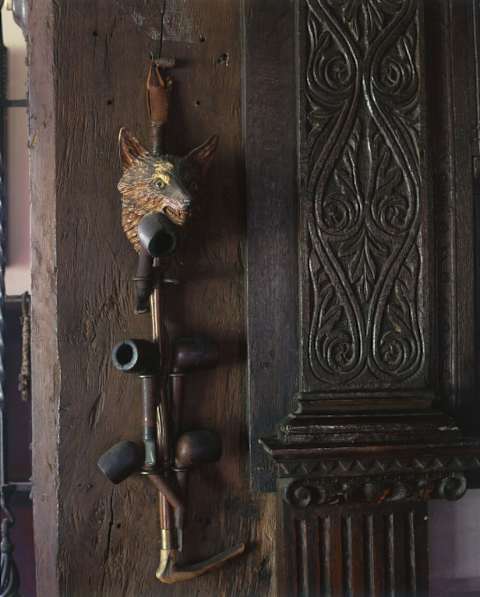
(363, 190)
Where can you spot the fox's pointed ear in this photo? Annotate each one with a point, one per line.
(201, 157)
(130, 148)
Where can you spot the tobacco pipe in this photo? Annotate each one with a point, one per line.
(142, 358)
(157, 235)
(158, 238)
(143, 282)
(193, 353)
(194, 448)
(197, 447)
(190, 354)
(136, 356)
(121, 461)
(125, 459)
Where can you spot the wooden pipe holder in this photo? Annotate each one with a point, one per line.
(162, 386)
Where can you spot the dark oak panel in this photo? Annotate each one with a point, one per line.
(270, 159)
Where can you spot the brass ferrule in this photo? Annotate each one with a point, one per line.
(171, 539)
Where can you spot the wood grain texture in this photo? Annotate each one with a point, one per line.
(87, 75)
(454, 185)
(46, 377)
(270, 161)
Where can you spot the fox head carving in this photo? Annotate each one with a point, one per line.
(166, 184)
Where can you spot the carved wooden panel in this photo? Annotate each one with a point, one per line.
(363, 196)
(387, 139)
(383, 198)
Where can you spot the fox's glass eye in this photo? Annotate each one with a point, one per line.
(160, 184)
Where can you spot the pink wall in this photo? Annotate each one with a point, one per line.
(455, 546)
(18, 266)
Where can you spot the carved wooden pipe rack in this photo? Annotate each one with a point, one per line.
(167, 452)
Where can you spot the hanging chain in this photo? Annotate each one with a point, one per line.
(24, 377)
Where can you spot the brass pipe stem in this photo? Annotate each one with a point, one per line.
(156, 307)
(149, 421)
(157, 337)
(167, 490)
(169, 536)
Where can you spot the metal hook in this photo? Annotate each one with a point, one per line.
(156, 53)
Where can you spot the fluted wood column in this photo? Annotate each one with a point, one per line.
(376, 550)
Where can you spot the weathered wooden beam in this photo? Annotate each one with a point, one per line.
(46, 372)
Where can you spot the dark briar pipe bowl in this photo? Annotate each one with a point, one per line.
(197, 447)
(136, 356)
(121, 461)
(157, 234)
(194, 353)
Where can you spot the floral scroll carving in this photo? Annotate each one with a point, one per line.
(375, 490)
(364, 189)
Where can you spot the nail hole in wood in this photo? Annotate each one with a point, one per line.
(223, 59)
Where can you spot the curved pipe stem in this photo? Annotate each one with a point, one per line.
(165, 488)
(143, 281)
(169, 572)
(171, 522)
